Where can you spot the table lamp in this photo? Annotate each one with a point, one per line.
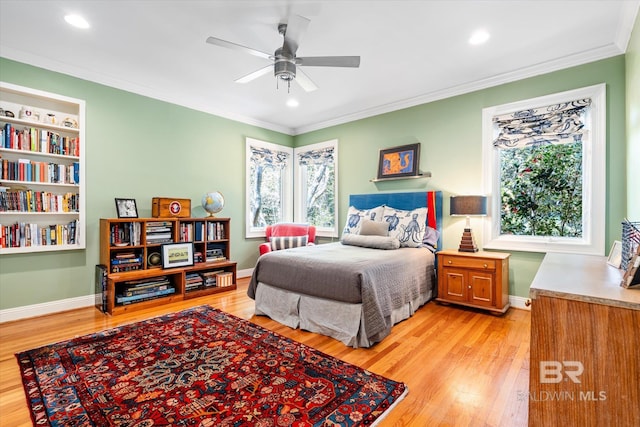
(467, 205)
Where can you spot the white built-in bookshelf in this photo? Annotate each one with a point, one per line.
(42, 171)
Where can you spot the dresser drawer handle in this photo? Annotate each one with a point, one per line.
(449, 261)
(485, 266)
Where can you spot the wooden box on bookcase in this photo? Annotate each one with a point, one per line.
(131, 249)
(167, 207)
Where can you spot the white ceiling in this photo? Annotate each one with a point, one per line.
(412, 52)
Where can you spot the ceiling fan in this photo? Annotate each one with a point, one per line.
(285, 62)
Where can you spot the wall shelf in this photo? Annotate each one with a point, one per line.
(422, 175)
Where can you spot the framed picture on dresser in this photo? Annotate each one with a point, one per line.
(615, 254)
(631, 278)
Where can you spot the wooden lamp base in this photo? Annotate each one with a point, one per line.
(467, 244)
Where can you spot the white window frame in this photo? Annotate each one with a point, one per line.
(594, 179)
(287, 185)
(300, 188)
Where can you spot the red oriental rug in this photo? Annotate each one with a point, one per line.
(198, 367)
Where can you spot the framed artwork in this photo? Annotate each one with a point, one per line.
(399, 162)
(177, 255)
(126, 208)
(615, 254)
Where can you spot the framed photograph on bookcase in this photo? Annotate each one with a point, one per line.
(177, 255)
(126, 208)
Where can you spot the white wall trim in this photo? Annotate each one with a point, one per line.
(244, 273)
(35, 310)
(519, 302)
(41, 309)
(596, 54)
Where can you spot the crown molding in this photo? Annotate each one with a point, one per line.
(96, 77)
(581, 58)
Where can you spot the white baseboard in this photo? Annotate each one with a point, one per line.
(42, 309)
(35, 310)
(244, 273)
(520, 302)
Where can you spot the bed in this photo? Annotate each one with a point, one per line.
(353, 290)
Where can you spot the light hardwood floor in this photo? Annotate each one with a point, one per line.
(463, 367)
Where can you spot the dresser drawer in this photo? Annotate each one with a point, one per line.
(468, 262)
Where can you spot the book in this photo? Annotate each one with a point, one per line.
(101, 287)
(120, 299)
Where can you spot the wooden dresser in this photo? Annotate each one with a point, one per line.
(585, 345)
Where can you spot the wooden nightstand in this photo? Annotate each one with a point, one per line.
(475, 279)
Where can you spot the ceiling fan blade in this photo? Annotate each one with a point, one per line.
(296, 27)
(252, 76)
(304, 81)
(234, 46)
(329, 61)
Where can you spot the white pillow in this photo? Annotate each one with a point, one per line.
(407, 226)
(356, 216)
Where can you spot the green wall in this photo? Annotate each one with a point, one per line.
(137, 147)
(140, 148)
(633, 123)
(450, 131)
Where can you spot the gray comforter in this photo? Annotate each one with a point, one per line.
(382, 280)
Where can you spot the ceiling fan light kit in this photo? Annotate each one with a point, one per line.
(284, 59)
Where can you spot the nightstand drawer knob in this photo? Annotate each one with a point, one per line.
(449, 261)
(485, 266)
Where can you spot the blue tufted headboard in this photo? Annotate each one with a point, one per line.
(405, 201)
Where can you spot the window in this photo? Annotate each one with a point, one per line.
(272, 191)
(544, 167)
(269, 190)
(316, 186)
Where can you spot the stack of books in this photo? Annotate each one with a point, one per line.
(159, 232)
(126, 261)
(215, 254)
(193, 281)
(144, 290)
(209, 277)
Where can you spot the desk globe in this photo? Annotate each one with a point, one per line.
(213, 202)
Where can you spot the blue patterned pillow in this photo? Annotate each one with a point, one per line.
(287, 242)
(355, 217)
(407, 226)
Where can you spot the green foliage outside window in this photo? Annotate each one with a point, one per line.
(320, 194)
(266, 182)
(541, 190)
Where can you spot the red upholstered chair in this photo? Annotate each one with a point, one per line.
(287, 230)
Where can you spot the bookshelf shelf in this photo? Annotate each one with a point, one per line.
(130, 252)
(42, 164)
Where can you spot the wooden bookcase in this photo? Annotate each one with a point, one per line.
(42, 152)
(131, 248)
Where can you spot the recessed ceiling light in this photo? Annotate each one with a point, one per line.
(479, 37)
(77, 21)
(292, 103)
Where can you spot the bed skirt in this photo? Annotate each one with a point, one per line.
(339, 320)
